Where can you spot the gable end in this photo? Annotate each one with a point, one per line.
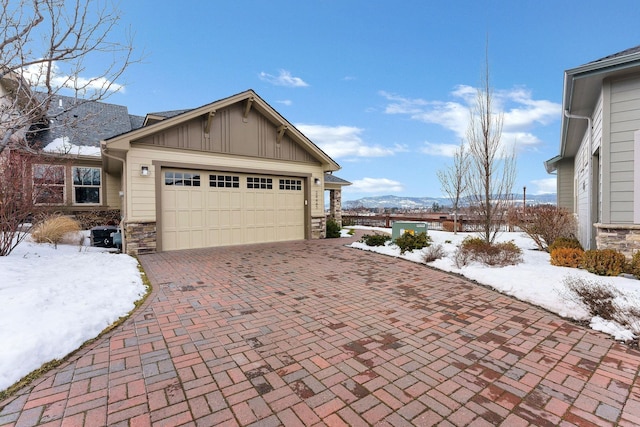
(231, 131)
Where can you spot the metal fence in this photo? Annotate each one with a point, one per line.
(387, 221)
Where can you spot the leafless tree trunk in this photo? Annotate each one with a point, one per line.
(453, 181)
(48, 45)
(492, 170)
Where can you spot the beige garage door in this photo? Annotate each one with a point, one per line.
(203, 209)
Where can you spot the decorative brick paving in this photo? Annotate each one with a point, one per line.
(313, 333)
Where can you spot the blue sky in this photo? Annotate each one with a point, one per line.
(383, 87)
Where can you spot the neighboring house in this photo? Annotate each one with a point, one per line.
(598, 168)
(227, 173)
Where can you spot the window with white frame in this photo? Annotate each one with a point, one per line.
(48, 184)
(86, 185)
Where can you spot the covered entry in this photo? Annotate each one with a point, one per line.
(214, 208)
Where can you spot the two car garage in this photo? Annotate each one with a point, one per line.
(212, 208)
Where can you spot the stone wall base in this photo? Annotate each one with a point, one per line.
(318, 227)
(622, 237)
(335, 205)
(140, 237)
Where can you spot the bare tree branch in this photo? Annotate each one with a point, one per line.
(453, 181)
(492, 170)
(44, 48)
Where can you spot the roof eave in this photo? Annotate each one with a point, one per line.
(572, 77)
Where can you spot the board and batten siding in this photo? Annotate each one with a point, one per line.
(583, 187)
(624, 121)
(141, 200)
(565, 184)
(113, 186)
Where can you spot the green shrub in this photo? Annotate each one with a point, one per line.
(496, 254)
(604, 262)
(634, 266)
(410, 241)
(333, 229)
(567, 257)
(375, 239)
(565, 242)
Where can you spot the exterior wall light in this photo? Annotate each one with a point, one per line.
(316, 181)
(144, 170)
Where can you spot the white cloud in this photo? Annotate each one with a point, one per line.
(35, 74)
(344, 141)
(544, 186)
(375, 185)
(286, 102)
(446, 150)
(521, 113)
(283, 79)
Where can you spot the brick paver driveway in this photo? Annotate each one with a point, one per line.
(313, 333)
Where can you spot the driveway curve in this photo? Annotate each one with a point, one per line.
(314, 333)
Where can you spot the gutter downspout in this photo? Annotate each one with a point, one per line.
(589, 170)
(103, 151)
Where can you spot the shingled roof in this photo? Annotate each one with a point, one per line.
(625, 52)
(84, 122)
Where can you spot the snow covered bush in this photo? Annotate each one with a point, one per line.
(55, 230)
(605, 301)
(545, 223)
(433, 253)
(596, 296)
(494, 254)
(604, 262)
(409, 241)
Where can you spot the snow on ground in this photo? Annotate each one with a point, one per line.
(534, 280)
(53, 300)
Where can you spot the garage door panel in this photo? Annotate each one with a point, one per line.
(221, 215)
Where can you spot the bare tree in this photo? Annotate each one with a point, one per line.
(453, 180)
(45, 48)
(492, 167)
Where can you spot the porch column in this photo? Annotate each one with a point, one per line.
(335, 205)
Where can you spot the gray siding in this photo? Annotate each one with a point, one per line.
(624, 121)
(583, 188)
(565, 184)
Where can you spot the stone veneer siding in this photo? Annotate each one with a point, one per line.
(335, 205)
(622, 237)
(318, 227)
(140, 237)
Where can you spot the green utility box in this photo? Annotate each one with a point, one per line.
(413, 227)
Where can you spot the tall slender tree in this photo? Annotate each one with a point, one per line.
(453, 181)
(492, 166)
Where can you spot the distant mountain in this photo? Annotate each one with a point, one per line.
(427, 202)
